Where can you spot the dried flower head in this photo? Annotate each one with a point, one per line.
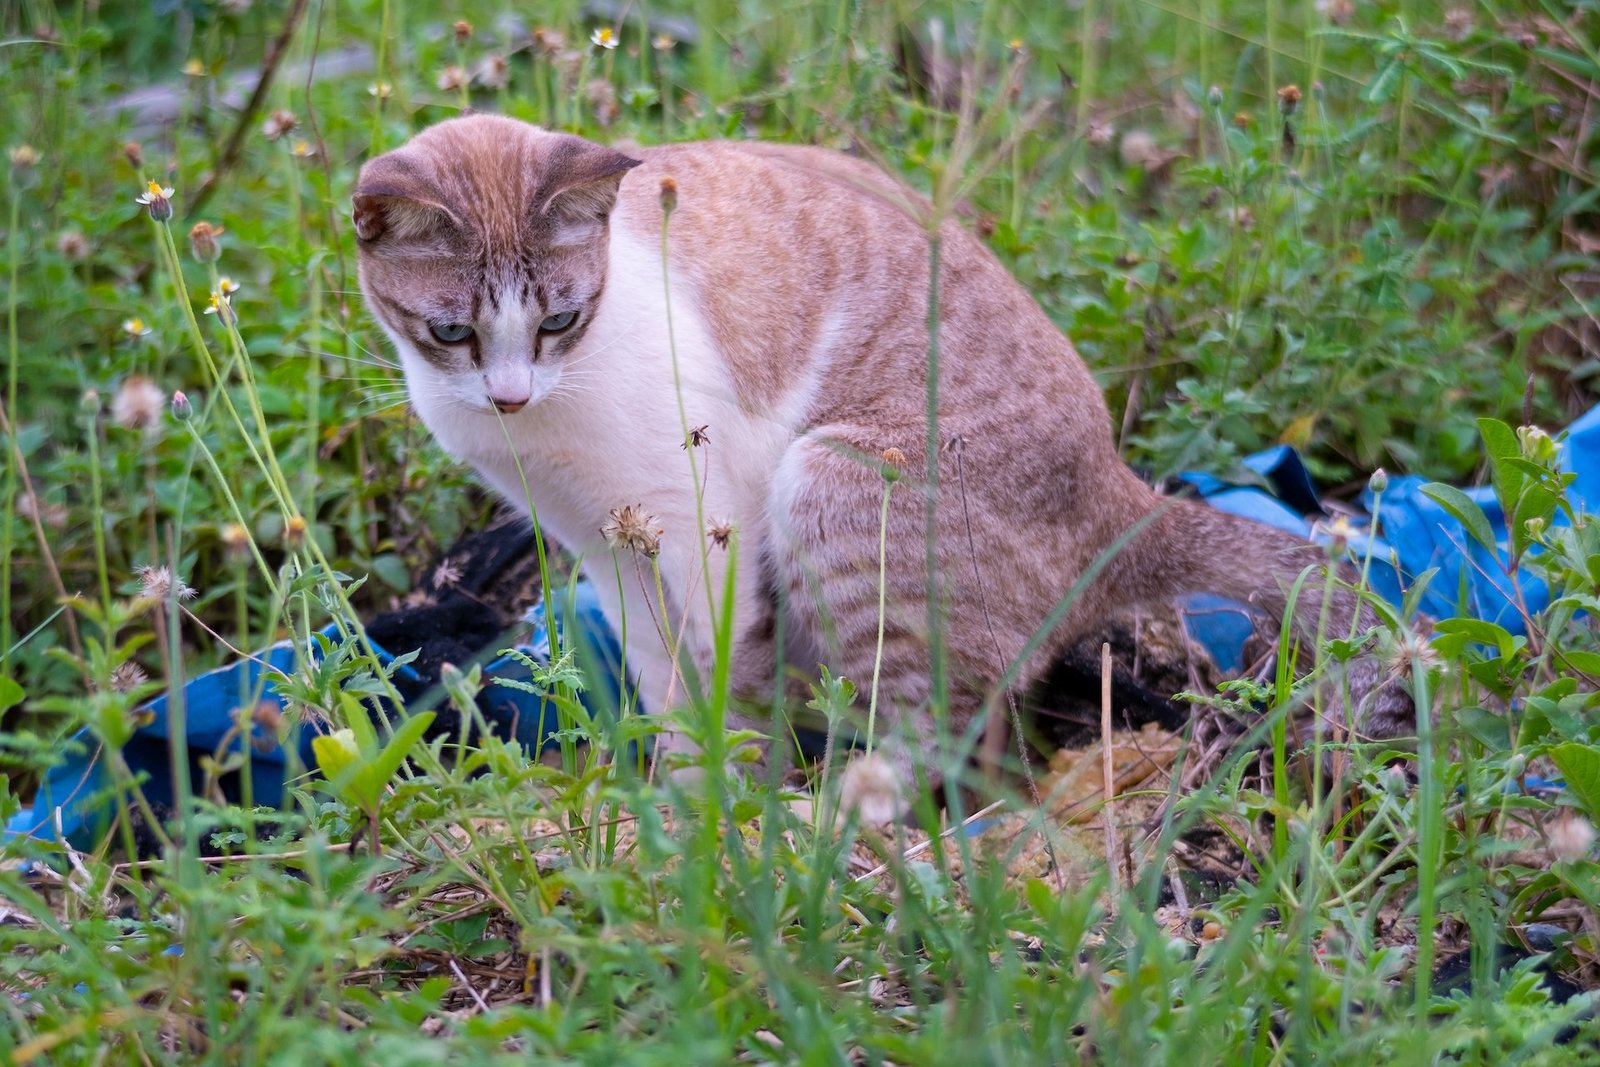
(669, 194)
(24, 166)
(602, 96)
(462, 31)
(871, 789)
(1571, 837)
(235, 541)
(294, 531)
(72, 245)
(493, 71)
(133, 152)
(137, 404)
(631, 527)
(696, 437)
(279, 123)
(549, 42)
(127, 676)
(605, 37)
(1138, 149)
(1242, 120)
(894, 462)
(1242, 217)
(158, 583)
(720, 531)
(1458, 23)
(135, 328)
(1099, 133)
(1411, 651)
(157, 200)
(1289, 97)
(1337, 12)
(51, 515)
(203, 242)
(451, 79)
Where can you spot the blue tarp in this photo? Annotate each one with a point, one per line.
(1415, 534)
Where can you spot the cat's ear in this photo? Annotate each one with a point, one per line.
(394, 197)
(580, 181)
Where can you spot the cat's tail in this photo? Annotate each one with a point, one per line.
(1211, 551)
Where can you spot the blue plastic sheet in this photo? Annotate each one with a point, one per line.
(1412, 535)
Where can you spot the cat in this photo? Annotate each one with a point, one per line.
(520, 275)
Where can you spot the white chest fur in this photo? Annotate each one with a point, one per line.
(609, 433)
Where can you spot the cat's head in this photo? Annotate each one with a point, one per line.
(483, 245)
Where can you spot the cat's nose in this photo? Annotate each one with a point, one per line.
(508, 404)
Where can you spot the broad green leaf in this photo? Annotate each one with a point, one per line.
(1465, 510)
(1484, 726)
(1579, 764)
(1500, 445)
(336, 753)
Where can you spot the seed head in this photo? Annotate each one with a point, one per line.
(182, 410)
(1289, 98)
(493, 71)
(1412, 651)
(451, 79)
(871, 788)
(127, 676)
(630, 527)
(158, 583)
(138, 403)
(72, 245)
(1241, 119)
(203, 242)
(1099, 133)
(156, 200)
(294, 531)
(696, 437)
(721, 532)
(1571, 838)
(669, 195)
(462, 31)
(278, 123)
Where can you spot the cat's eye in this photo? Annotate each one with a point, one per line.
(557, 323)
(451, 332)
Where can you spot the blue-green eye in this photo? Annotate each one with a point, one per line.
(452, 332)
(557, 323)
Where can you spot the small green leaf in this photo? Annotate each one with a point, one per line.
(1465, 510)
(11, 693)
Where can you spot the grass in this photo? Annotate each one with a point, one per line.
(1363, 270)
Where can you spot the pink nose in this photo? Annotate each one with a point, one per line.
(507, 405)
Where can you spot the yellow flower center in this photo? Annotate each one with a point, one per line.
(152, 189)
(605, 34)
(135, 325)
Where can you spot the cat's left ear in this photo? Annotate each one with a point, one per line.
(580, 180)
